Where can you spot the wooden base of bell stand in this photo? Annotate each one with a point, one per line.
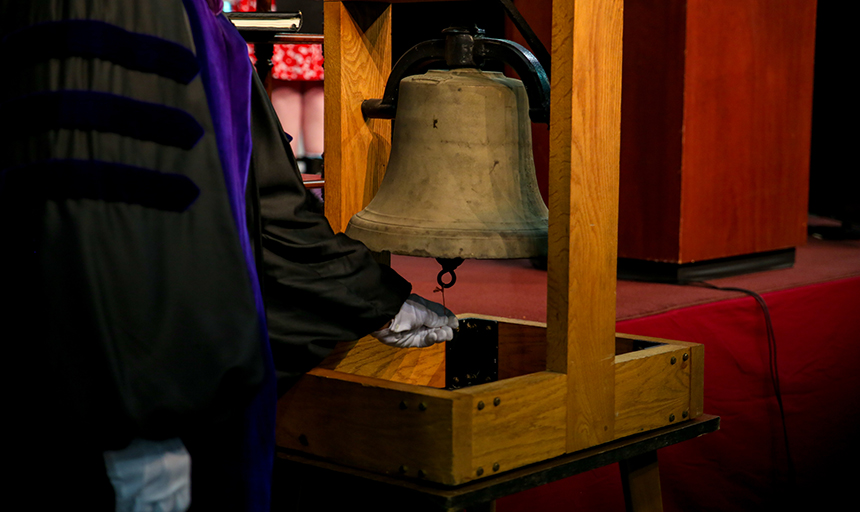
(304, 482)
(381, 409)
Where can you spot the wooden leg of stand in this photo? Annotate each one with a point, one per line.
(640, 477)
(488, 506)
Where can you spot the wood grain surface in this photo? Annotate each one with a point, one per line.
(696, 386)
(583, 202)
(652, 388)
(378, 425)
(358, 61)
(369, 357)
(716, 127)
(517, 421)
(747, 126)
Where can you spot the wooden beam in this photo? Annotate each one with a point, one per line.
(640, 479)
(391, 428)
(583, 200)
(358, 62)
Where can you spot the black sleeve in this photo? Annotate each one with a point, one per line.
(319, 287)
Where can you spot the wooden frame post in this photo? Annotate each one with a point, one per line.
(357, 64)
(585, 126)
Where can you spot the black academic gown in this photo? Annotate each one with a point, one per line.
(126, 315)
(318, 287)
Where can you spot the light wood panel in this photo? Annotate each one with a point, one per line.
(696, 386)
(358, 61)
(383, 427)
(583, 202)
(517, 421)
(370, 358)
(652, 388)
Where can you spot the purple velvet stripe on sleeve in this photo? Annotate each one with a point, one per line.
(226, 73)
(102, 112)
(60, 179)
(96, 39)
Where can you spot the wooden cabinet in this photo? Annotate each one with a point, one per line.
(715, 128)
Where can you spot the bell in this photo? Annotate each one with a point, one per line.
(460, 182)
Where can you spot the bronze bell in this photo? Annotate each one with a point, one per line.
(460, 182)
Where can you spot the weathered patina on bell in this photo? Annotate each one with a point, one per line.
(460, 182)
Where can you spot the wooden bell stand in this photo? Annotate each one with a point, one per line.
(564, 386)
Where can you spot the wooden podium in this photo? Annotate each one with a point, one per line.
(715, 131)
(564, 386)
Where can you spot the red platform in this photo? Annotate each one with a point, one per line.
(815, 308)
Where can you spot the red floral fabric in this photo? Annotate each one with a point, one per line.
(297, 62)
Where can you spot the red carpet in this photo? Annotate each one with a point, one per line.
(514, 289)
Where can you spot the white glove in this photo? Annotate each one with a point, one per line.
(150, 476)
(420, 323)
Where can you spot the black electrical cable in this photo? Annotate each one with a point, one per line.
(774, 368)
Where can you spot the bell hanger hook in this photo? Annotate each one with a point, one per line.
(448, 267)
(461, 48)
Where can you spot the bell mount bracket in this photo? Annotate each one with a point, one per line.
(464, 48)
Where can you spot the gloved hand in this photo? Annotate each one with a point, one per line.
(150, 476)
(420, 323)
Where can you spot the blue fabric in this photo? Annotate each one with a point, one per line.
(226, 73)
(97, 39)
(103, 112)
(111, 182)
